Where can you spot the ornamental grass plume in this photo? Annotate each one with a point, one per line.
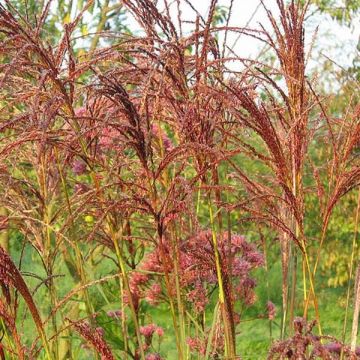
(94, 337)
(305, 345)
(117, 123)
(11, 277)
(9, 319)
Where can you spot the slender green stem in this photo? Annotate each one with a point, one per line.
(180, 304)
(131, 302)
(230, 351)
(351, 269)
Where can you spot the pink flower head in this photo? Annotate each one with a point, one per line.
(195, 345)
(271, 310)
(159, 331)
(79, 167)
(148, 330)
(255, 258)
(237, 241)
(137, 279)
(152, 262)
(152, 294)
(198, 297)
(240, 266)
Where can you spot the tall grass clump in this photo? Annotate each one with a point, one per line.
(126, 194)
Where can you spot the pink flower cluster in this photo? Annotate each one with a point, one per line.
(198, 269)
(79, 167)
(238, 258)
(148, 330)
(146, 286)
(196, 345)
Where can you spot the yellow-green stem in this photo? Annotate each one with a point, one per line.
(131, 302)
(352, 257)
(230, 351)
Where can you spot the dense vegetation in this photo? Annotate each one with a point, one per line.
(158, 204)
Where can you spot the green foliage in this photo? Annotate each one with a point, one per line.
(343, 11)
(108, 15)
(220, 15)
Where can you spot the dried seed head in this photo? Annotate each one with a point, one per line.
(95, 337)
